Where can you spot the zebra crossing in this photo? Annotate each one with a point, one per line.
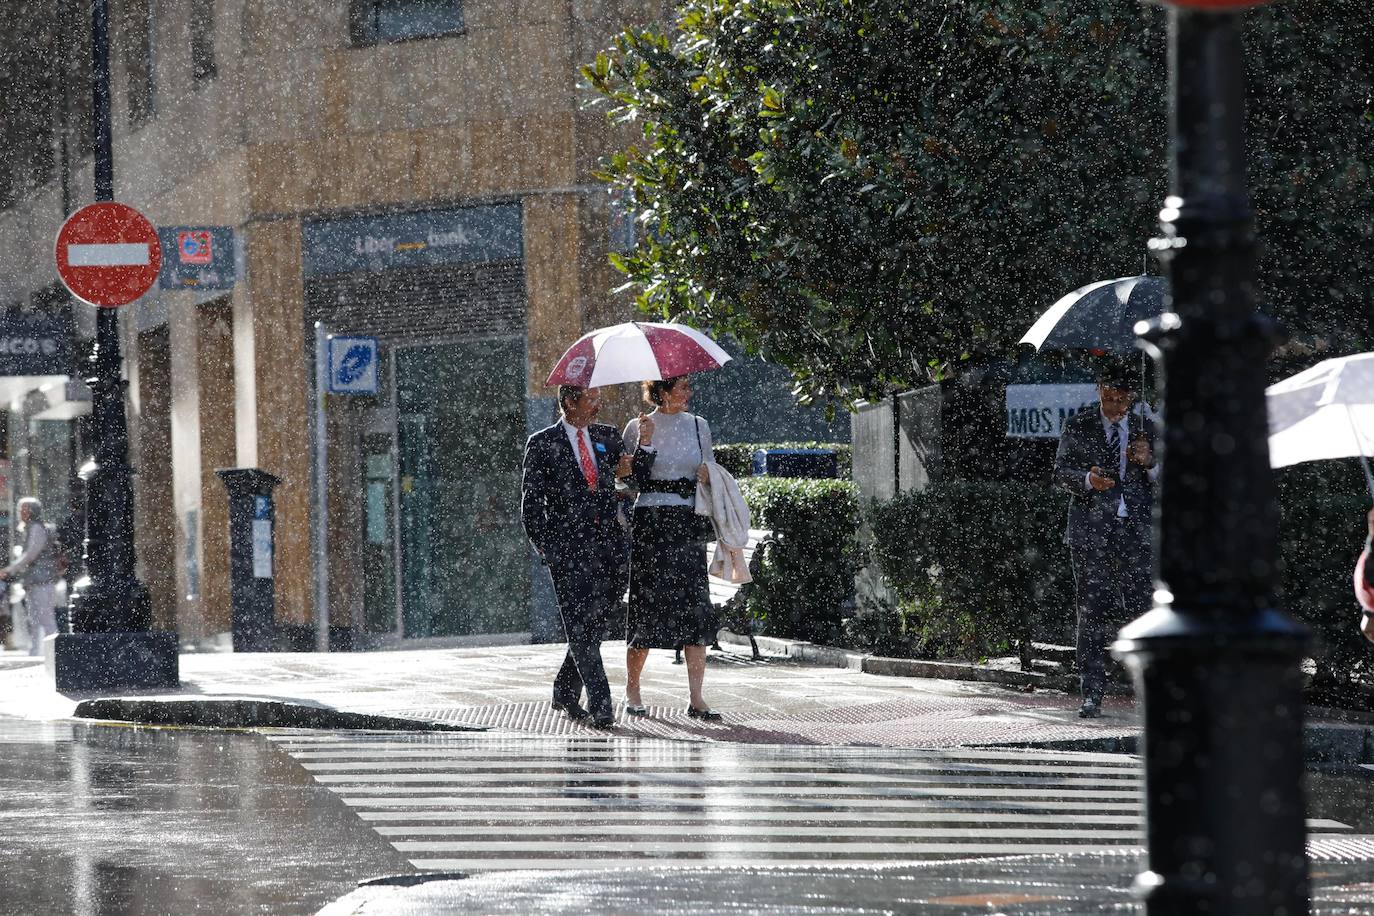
(473, 803)
(482, 802)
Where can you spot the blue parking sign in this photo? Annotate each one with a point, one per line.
(353, 365)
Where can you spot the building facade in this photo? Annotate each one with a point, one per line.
(418, 171)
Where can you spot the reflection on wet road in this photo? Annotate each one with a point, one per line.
(105, 819)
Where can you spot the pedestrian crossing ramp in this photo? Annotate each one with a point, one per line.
(479, 803)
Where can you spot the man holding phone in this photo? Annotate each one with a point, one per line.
(1106, 463)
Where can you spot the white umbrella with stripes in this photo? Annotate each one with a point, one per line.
(636, 351)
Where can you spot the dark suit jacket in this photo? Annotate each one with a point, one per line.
(1082, 446)
(560, 513)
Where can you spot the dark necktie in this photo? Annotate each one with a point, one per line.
(1114, 443)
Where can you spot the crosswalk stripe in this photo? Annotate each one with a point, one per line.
(483, 802)
(763, 770)
(487, 802)
(599, 802)
(706, 832)
(798, 818)
(744, 782)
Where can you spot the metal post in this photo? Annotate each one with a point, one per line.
(110, 599)
(1216, 666)
(112, 643)
(321, 489)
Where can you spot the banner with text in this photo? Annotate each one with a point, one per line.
(1040, 411)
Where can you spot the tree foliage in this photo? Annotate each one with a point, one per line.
(870, 191)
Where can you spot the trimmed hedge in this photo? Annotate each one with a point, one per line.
(738, 457)
(806, 572)
(978, 568)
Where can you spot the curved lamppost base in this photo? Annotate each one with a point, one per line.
(1220, 694)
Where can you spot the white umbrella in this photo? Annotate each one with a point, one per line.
(636, 351)
(1324, 412)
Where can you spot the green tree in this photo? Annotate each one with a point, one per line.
(870, 191)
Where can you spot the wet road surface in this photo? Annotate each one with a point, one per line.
(108, 819)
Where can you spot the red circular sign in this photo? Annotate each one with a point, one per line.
(108, 254)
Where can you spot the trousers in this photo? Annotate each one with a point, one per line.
(39, 603)
(588, 582)
(1112, 580)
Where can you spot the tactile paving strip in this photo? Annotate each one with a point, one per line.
(892, 723)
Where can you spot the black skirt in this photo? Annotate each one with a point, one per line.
(670, 601)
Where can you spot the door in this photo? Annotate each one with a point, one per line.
(460, 439)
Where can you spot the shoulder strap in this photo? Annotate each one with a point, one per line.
(696, 424)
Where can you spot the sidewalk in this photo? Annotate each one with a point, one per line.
(772, 700)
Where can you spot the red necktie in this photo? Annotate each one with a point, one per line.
(584, 455)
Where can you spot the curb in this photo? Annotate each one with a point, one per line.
(246, 713)
(894, 667)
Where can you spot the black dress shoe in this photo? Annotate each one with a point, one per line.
(1091, 708)
(705, 715)
(573, 710)
(605, 723)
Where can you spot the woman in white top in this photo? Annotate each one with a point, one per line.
(670, 602)
(37, 568)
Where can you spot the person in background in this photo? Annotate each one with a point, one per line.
(37, 568)
(670, 600)
(1364, 581)
(1106, 463)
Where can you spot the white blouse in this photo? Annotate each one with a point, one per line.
(678, 453)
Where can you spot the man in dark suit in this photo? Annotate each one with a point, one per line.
(1106, 462)
(570, 511)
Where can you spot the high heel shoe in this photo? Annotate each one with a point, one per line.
(632, 709)
(705, 715)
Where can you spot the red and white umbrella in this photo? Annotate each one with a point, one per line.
(636, 351)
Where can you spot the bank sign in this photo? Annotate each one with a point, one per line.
(370, 244)
(1040, 411)
(34, 343)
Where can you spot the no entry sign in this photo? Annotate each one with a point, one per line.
(108, 254)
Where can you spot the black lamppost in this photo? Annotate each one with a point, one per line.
(112, 643)
(1216, 666)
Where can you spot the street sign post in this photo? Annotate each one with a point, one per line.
(108, 254)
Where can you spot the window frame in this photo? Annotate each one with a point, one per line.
(363, 31)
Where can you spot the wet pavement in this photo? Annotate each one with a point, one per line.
(108, 819)
(112, 819)
(824, 790)
(772, 700)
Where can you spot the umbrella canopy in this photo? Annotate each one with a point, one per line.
(1323, 412)
(1099, 316)
(636, 351)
